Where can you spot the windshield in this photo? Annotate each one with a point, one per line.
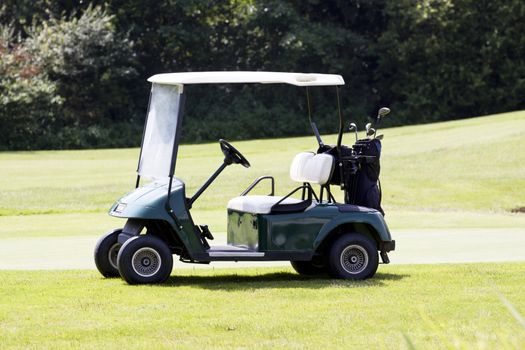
(158, 144)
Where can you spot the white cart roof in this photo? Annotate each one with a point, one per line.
(298, 79)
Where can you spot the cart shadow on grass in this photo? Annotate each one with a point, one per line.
(235, 281)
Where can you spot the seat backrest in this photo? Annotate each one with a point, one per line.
(312, 168)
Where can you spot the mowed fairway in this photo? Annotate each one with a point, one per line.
(458, 175)
(468, 173)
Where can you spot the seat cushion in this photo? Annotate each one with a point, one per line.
(258, 204)
(312, 168)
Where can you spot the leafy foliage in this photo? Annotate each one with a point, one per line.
(28, 98)
(92, 66)
(450, 59)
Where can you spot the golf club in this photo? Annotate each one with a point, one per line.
(370, 132)
(353, 128)
(383, 111)
(367, 127)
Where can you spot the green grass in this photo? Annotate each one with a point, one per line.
(460, 174)
(466, 173)
(267, 308)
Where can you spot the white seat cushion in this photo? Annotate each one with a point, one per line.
(258, 204)
(312, 168)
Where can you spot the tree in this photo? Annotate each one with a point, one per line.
(28, 98)
(93, 68)
(452, 59)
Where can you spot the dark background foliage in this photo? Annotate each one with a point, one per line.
(73, 74)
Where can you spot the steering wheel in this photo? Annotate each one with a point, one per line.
(231, 155)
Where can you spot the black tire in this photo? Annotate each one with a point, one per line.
(308, 268)
(353, 256)
(144, 259)
(106, 252)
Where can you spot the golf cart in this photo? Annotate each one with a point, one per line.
(306, 226)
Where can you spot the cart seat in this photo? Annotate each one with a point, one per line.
(312, 168)
(306, 167)
(260, 204)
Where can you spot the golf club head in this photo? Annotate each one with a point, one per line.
(379, 137)
(353, 128)
(367, 129)
(370, 132)
(383, 111)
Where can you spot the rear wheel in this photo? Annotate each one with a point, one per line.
(106, 252)
(353, 256)
(308, 268)
(145, 260)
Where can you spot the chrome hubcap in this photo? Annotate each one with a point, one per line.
(112, 254)
(354, 259)
(146, 262)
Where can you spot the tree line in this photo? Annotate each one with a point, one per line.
(73, 74)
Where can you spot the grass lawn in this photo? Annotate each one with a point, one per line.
(466, 173)
(460, 174)
(427, 307)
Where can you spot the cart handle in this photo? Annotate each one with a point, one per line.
(256, 182)
(305, 186)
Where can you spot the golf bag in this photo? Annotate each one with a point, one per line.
(365, 188)
(357, 172)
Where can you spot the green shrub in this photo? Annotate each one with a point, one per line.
(28, 98)
(452, 59)
(67, 85)
(93, 68)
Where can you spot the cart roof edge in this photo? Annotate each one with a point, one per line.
(218, 77)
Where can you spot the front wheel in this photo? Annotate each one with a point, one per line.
(144, 260)
(106, 252)
(353, 256)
